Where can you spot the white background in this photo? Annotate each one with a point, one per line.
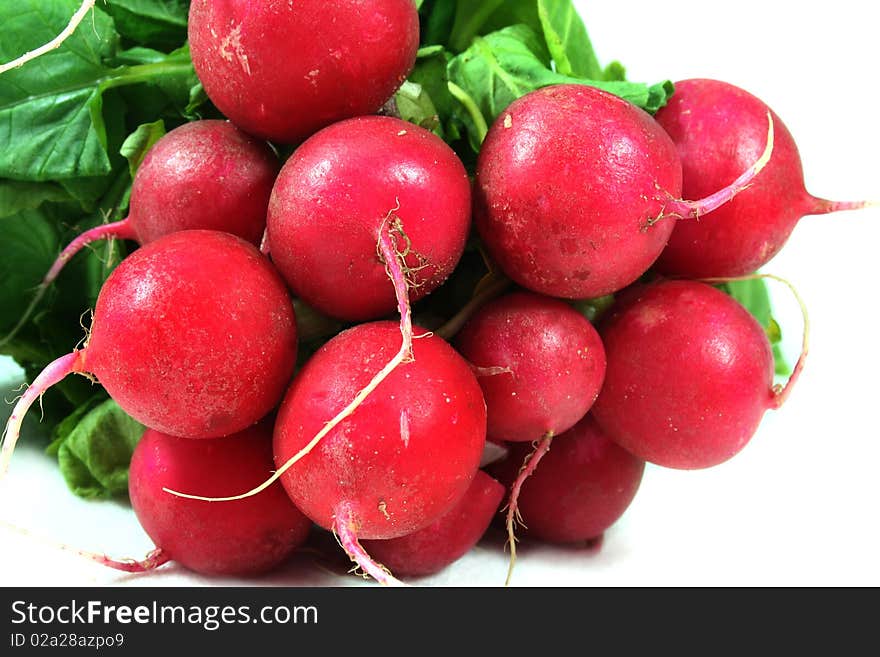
(799, 506)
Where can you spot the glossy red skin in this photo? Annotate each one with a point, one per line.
(333, 195)
(689, 377)
(431, 549)
(720, 130)
(556, 362)
(203, 175)
(194, 335)
(563, 195)
(243, 537)
(581, 487)
(409, 451)
(283, 70)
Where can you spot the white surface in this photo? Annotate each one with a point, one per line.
(799, 506)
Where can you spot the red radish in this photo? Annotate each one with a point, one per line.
(573, 186)
(402, 458)
(336, 192)
(282, 70)
(193, 335)
(718, 129)
(244, 537)
(689, 376)
(584, 485)
(431, 549)
(201, 175)
(539, 362)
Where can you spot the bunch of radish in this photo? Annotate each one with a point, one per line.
(389, 434)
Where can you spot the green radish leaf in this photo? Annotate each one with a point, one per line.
(505, 65)
(50, 119)
(514, 12)
(171, 89)
(614, 71)
(567, 40)
(35, 327)
(87, 190)
(63, 120)
(414, 104)
(136, 145)
(470, 17)
(31, 241)
(94, 449)
(66, 426)
(53, 109)
(30, 244)
(501, 67)
(429, 51)
(156, 23)
(198, 102)
(754, 297)
(437, 17)
(18, 195)
(430, 73)
(593, 309)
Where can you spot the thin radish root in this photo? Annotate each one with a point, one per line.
(780, 392)
(155, 558)
(513, 515)
(681, 209)
(392, 257)
(52, 374)
(345, 531)
(75, 20)
(824, 206)
(397, 254)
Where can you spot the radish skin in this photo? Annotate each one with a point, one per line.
(577, 191)
(246, 537)
(586, 482)
(689, 377)
(431, 549)
(404, 455)
(283, 70)
(205, 175)
(335, 192)
(539, 362)
(718, 128)
(202, 175)
(193, 334)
